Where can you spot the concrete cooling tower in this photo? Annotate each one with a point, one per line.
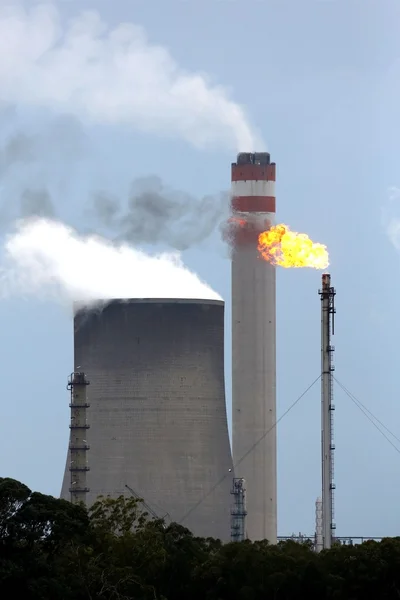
(157, 411)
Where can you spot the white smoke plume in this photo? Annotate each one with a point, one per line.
(47, 259)
(112, 76)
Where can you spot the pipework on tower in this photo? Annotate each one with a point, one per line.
(78, 446)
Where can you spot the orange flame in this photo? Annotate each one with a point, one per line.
(289, 249)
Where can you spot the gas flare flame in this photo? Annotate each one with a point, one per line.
(289, 249)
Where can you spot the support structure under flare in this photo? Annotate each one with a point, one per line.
(327, 294)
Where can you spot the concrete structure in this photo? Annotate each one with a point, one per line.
(327, 294)
(157, 408)
(253, 342)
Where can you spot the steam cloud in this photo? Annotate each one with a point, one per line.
(112, 76)
(47, 259)
(116, 77)
(391, 216)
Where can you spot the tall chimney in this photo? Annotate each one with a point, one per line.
(253, 342)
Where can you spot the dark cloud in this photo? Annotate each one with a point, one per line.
(154, 213)
(151, 213)
(36, 203)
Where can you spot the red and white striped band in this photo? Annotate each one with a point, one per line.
(262, 204)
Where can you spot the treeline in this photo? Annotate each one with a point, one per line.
(53, 550)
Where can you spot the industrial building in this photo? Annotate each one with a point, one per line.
(254, 342)
(154, 419)
(156, 408)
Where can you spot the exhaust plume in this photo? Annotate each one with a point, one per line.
(113, 76)
(17, 149)
(36, 203)
(158, 214)
(46, 259)
(152, 213)
(284, 248)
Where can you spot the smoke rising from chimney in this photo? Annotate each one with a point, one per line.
(36, 203)
(47, 259)
(17, 149)
(151, 213)
(113, 76)
(155, 213)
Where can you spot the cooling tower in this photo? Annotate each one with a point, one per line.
(254, 342)
(157, 411)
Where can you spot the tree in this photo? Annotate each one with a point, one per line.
(53, 550)
(35, 530)
(13, 494)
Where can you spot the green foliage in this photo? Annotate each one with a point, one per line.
(53, 550)
(12, 495)
(118, 516)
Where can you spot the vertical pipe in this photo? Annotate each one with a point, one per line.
(78, 447)
(327, 294)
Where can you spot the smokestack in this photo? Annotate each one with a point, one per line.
(157, 407)
(253, 342)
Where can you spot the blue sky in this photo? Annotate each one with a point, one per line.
(320, 80)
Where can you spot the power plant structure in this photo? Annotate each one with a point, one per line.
(239, 510)
(254, 342)
(157, 413)
(156, 424)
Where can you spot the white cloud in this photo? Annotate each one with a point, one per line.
(391, 216)
(114, 76)
(47, 259)
(393, 231)
(393, 193)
